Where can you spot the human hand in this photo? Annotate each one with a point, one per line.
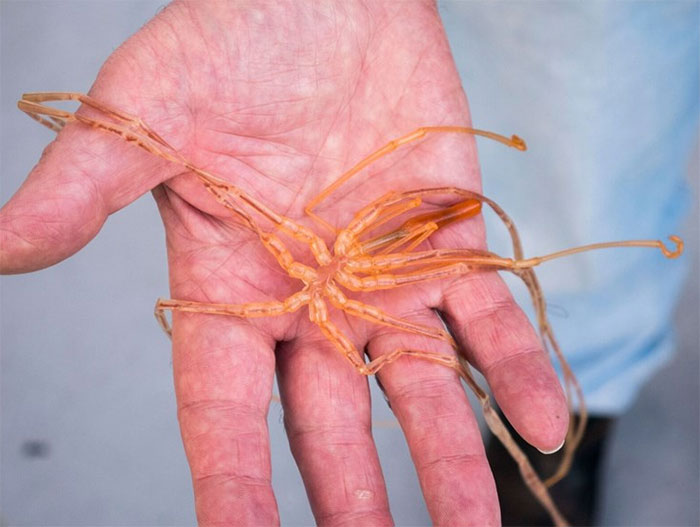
(281, 105)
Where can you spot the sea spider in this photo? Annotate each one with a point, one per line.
(363, 258)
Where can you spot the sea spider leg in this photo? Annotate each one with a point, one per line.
(247, 310)
(498, 429)
(284, 258)
(440, 263)
(134, 132)
(143, 136)
(220, 188)
(318, 314)
(31, 102)
(654, 244)
(523, 269)
(425, 259)
(391, 281)
(387, 262)
(378, 316)
(377, 213)
(56, 118)
(578, 425)
(514, 141)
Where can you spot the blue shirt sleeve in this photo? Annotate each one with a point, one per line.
(606, 96)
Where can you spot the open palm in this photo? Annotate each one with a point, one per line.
(281, 98)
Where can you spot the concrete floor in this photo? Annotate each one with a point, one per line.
(88, 428)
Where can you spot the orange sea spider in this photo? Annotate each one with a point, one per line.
(377, 249)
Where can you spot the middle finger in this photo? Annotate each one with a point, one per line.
(327, 416)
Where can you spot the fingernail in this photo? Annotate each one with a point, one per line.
(552, 451)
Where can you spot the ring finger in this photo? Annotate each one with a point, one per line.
(442, 433)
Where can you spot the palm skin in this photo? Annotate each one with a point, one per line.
(281, 98)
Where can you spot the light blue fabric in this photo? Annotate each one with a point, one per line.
(606, 96)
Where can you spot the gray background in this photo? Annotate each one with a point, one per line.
(88, 427)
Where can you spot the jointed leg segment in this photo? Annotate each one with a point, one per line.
(134, 130)
(419, 133)
(379, 316)
(247, 310)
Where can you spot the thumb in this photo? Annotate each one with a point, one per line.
(82, 177)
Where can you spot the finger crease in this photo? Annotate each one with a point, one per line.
(451, 461)
(502, 361)
(225, 476)
(222, 405)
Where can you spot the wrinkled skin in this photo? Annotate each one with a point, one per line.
(280, 98)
